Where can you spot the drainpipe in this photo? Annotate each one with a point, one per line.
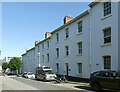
(90, 42)
(39, 59)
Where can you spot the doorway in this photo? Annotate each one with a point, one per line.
(67, 69)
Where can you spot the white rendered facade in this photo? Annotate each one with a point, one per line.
(77, 53)
(99, 49)
(28, 61)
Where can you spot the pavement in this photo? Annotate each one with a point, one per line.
(0, 83)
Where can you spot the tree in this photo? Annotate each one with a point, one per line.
(15, 64)
(4, 66)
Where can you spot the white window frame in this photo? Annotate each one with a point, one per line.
(42, 45)
(67, 33)
(80, 26)
(106, 8)
(48, 44)
(107, 62)
(57, 52)
(107, 35)
(80, 50)
(67, 50)
(57, 37)
(79, 66)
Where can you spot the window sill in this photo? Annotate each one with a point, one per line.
(66, 56)
(56, 57)
(80, 33)
(56, 42)
(107, 44)
(66, 38)
(79, 55)
(104, 17)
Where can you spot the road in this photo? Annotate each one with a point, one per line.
(18, 83)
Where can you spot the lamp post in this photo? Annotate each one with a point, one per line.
(39, 59)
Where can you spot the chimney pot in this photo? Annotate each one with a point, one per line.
(47, 34)
(26, 49)
(67, 19)
(36, 42)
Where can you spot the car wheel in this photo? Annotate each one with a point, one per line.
(44, 79)
(96, 87)
(36, 78)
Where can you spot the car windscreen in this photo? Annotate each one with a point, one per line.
(49, 72)
(30, 73)
(46, 67)
(24, 73)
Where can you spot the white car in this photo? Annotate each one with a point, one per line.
(30, 75)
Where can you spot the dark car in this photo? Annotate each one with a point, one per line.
(24, 74)
(105, 79)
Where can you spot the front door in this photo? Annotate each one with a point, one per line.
(57, 65)
(67, 69)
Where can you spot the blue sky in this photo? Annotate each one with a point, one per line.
(25, 22)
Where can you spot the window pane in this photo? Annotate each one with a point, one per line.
(57, 37)
(80, 48)
(107, 8)
(67, 33)
(79, 67)
(107, 35)
(79, 26)
(107, 62)
(57, 51)
(67, 50)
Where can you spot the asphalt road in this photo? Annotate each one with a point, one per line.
(18, 83)
(44, 85)
(40, 85)
(51, 85)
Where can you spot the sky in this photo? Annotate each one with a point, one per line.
(25, 22)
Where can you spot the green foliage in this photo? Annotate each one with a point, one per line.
(4, 65)
(15, 63)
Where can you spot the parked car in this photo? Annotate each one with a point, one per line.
(45, 73)
(19, 75)
(30, 75)
(10, 74)
(23, 75)
(105, 79)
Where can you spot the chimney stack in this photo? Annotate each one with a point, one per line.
(67, 19)
(47, 34)
(36, 42)
(26, 50)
